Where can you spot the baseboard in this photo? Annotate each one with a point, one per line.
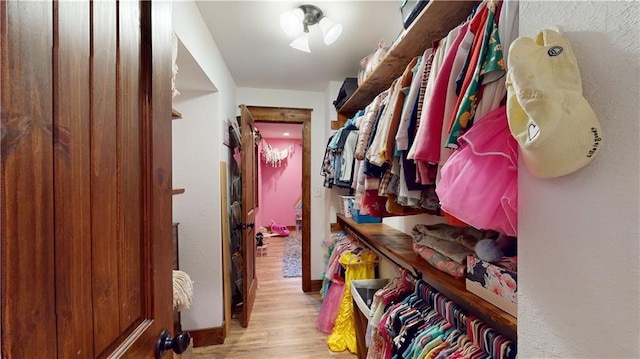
(208, 336)
(316, 285)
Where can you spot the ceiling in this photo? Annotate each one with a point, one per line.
(257, 51)
(277, 130)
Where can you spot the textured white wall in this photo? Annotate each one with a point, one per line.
(315, 101)
(198, 150)
(195, 169)
(578, 275)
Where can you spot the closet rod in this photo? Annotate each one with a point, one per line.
(413, 273)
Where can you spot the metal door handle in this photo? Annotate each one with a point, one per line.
(248, 225)
(178, 344)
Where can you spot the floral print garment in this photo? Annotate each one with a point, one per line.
(496, 279)
(490, 60)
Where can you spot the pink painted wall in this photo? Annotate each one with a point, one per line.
(279, 187)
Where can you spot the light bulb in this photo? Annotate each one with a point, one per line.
(301, 42)
(291, 22)
(330, 30)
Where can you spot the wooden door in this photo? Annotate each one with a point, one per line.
(86, 178)
(300, 116)
(249, 207)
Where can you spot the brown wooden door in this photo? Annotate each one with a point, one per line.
(86, 178)
(249, 206)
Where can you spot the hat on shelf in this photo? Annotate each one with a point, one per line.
(556, 129)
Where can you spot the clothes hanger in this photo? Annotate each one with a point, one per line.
(463, 339)
(471, 351)
(453, 335)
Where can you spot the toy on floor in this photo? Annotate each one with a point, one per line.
(262, 244)
(280, 229)
(259, 239)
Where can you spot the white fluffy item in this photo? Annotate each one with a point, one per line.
(182, 290)
(491, 250)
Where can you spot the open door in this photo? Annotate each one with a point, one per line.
(86, 179)
(249, 206)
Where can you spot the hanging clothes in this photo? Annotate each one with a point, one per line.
(333, 282)
(409, 132)
(395, 291)
(426, 324)
(428, 148)
(488, 65)
(357, 266)
(479, 183)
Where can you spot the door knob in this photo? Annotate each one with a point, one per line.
(178, 344)
(248, 225)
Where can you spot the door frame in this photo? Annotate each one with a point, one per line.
(296, 116)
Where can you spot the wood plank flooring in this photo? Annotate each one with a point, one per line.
(283, 321)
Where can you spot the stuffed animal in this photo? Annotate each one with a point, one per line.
(491, 250)
(259, 239)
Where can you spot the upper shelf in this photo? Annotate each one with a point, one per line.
(433, 23)
(397, 246)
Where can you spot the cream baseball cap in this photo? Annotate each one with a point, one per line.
(554, 125)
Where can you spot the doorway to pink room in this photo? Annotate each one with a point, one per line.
(280, 178)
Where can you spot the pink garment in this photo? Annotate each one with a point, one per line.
(440, 261)
(452, 98)
(428, 148)
(479, 183)
(330, 307)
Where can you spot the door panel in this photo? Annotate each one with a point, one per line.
(130, 173)
(72, 164)
(249, 206)
(86, 178)
(155, 99)
(28, 283)
(104, 169)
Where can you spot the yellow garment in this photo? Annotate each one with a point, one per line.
(344, 332)
(429, 347)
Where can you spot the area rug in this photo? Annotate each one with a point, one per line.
(292, 257)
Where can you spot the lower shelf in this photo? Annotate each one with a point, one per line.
(397, 247)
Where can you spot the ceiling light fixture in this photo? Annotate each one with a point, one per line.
(297, 21)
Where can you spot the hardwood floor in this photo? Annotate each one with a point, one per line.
(283, 321)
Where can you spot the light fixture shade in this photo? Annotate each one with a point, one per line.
(330, 30)
(301, 42)
(291, 22)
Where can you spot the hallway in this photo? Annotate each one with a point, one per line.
(283, 321)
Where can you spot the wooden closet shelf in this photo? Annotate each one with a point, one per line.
(337, 124)
(397, 247)
(175, 114)
(433, 23)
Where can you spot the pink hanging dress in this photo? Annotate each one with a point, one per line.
(479, 183)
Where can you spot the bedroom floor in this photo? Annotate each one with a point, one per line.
(283, 320)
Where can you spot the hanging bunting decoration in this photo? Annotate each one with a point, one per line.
(274, 157)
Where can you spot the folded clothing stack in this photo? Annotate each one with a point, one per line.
(446, 247)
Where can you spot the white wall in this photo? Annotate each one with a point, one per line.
(319, 120)
(579, 235)
(197, 209)
(198, 149)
